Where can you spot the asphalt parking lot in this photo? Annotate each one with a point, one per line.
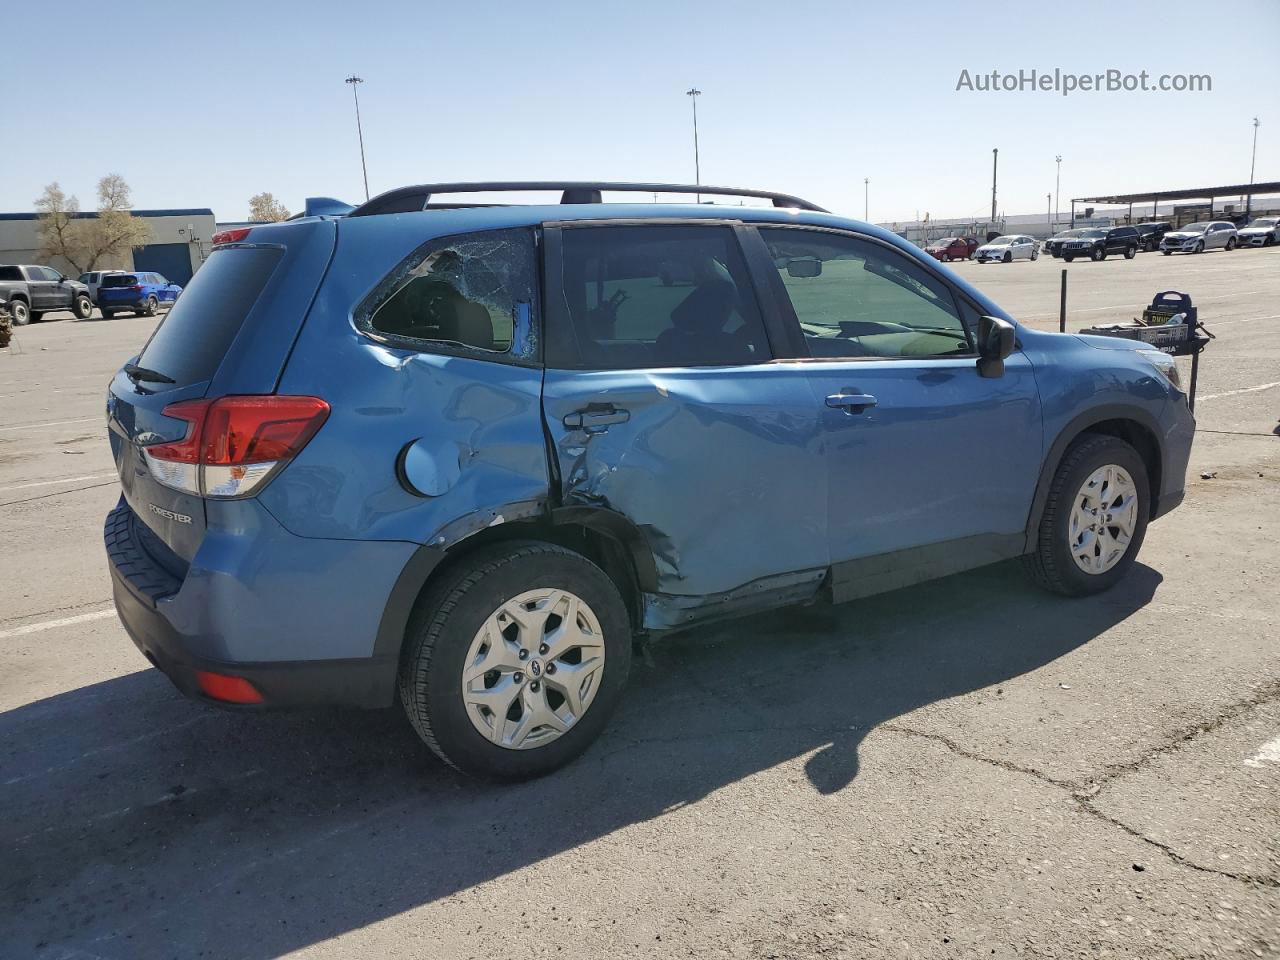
(965, 768)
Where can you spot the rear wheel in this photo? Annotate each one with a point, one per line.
(1094, 519)
(1231, 243)
(515, 659)
(149, 308)
(82, 307)
(20, 313)
(108, 314)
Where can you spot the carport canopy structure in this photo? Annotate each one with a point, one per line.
(1247, 190)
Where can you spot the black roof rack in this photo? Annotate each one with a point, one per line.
(412, 199)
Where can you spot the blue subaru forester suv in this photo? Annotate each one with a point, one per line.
(461, 454)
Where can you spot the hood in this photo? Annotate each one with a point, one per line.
(1255, 229)
(1112, 343)
(994, 246)
(1183, 235)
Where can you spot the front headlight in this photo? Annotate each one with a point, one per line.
(1166, 365)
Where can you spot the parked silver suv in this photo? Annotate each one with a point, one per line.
(1199, 237)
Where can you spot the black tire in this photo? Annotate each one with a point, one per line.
(149, 308)
(82, 307)
(1130, 252)
(1008, 258)
(440, 632)
(1231, 243)
(1199, 247)
(1035, 255)
(1098, 254)
(19, 312)
(1167, 253)
(1068, 257)
(1051, 564)
(108, 314)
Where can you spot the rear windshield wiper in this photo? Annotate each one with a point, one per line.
(136, 373)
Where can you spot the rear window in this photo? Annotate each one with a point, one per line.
(119, 280)
(194, 336)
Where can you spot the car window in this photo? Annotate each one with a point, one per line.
(10, 273)
(464, 292)
(669, 295)
(856, 298)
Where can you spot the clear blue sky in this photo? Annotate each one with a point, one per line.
(234, 97)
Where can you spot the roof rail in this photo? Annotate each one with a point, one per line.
(414, 198)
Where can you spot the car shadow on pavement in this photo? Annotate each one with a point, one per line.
(137, 823)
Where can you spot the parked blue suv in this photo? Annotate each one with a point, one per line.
(461, 455)
(142, 293)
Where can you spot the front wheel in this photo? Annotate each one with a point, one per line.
(1094, 519)
(1167, 253)
(1067, 257)
(1098, 254)
(1199, 247)
(515, 659)
(1008, 258)
(20, 313)
(82, 307)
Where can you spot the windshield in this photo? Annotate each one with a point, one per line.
(1001, 241)
(1196, 227)
(1266, 222)
(1092, 233)
(1070, 233)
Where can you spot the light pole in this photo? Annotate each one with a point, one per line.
(1248, 203)
(995, 156)
(866, 199)
(693, 93)
(1057, 187)
(355, 81)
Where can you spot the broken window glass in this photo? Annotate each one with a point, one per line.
(471, 293)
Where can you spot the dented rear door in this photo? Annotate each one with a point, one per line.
(664, 404)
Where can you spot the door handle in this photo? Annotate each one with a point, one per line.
(596, 415)
(851, 402)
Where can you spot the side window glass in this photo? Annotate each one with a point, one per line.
(658, 296)
(856, 298)
(473, 293)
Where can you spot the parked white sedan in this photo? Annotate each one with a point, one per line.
(1015, 246)
(1199, 237)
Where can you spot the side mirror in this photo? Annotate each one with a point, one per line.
(808, 267)
(995, 342)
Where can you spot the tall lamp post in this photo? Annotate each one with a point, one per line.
(356, 81)
(995, 156)
(866, 199)
(1057, 187)
(1248, 203)
(693, 93)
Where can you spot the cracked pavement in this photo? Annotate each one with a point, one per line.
(966, 768)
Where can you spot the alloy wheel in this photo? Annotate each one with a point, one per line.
(1103, 519)
(533, 668)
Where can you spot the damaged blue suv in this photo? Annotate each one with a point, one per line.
(461, 454)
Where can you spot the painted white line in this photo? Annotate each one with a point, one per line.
(1269, 752)
(1232, 393)
(50, 483)
(1227, 323)
(52, 624)
(51, 423)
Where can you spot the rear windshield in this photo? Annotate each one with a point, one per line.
(119, 280)
(195, 335)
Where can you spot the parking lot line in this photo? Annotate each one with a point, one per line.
(1232, 393)
(50, 483)
(1269, 752)
(51, 624)
(49, 423)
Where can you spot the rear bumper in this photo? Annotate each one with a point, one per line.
(119, 303)
(305, 621)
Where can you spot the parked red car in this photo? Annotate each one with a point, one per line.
(952, 248)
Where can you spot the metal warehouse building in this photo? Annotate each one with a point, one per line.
(179, 242)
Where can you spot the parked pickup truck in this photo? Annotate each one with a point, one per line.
(32, 291)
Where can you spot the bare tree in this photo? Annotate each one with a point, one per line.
(264, 208)
(87, 242)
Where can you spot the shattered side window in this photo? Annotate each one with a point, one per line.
(473, 294)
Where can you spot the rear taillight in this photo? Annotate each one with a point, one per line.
(231, 236)
(233, 444)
